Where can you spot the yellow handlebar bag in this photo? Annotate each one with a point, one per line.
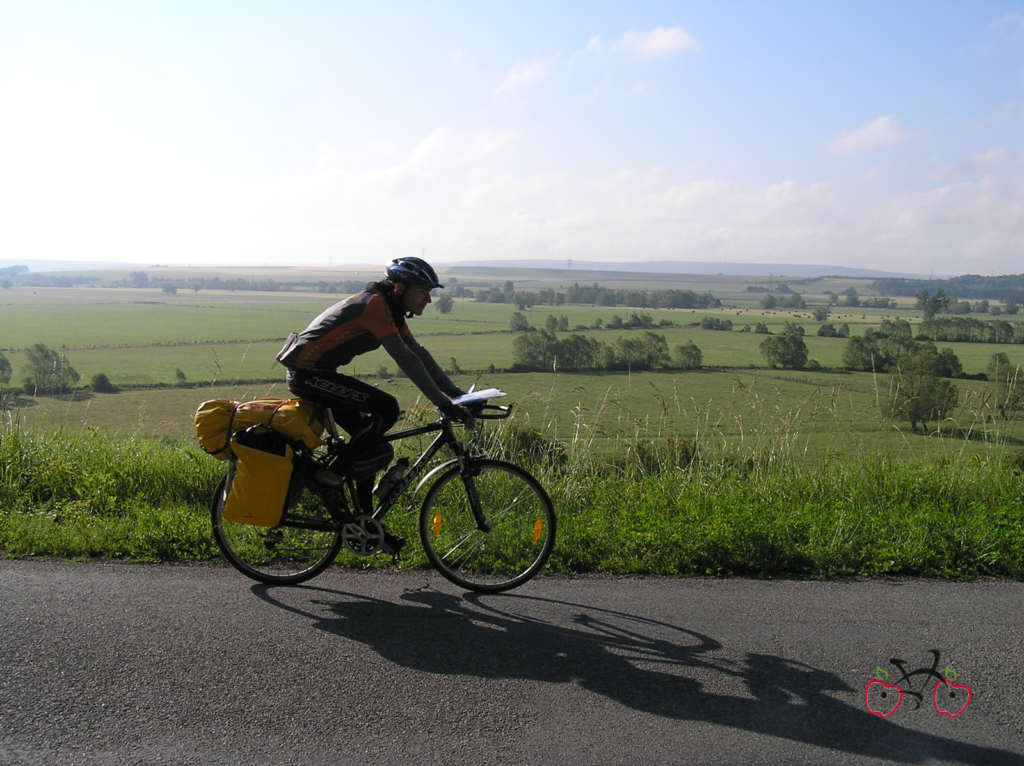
(261, 472)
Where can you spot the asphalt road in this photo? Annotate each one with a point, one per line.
(115, 663)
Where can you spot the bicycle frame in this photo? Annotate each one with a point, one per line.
(445, 437)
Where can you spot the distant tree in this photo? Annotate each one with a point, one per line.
(49, 371)
(689, 356)
(5, 370)
(947, 364)
(821, 313)
(850, 298)
(445, 303)
(918, 394)
(762, 329)
(138, 279)
(518, 322)
(180, 377)
(101, 384)
(1009, 383)
(895, 328)
(932, 304)
(769, 301)
(828, 330)
(1011, 307)
(551, 323)
(787, 350)
(876, 352)
(454, 366)
(169, 289)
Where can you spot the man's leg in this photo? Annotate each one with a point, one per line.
(351, 400)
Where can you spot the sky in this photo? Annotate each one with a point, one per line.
(882, 135)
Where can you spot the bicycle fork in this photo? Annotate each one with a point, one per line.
(468, 469)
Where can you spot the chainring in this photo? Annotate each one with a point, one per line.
(364, 535)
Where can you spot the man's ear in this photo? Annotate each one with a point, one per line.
(400, 288)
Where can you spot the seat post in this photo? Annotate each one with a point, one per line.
(332, 427)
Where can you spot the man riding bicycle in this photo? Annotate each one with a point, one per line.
(364, 322)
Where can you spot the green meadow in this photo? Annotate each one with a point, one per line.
(733, 468)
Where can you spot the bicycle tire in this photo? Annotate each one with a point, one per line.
(281, 555)
(519, 542)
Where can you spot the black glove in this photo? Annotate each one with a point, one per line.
(458, 413)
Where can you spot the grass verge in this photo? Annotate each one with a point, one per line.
(664, 507)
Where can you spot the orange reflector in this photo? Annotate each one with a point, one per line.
(437, 523)
(538, 527)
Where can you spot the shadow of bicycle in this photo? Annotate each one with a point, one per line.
(648, 665)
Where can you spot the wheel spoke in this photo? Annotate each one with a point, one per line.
(289, 553)
(520, 536)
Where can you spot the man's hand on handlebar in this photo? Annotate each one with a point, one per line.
(459, 413)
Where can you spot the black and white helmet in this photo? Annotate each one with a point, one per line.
(413, 271)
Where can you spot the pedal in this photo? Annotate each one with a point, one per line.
(393, 544)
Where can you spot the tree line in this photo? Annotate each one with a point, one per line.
(545, 351)
(593, 295)
(1009, 287)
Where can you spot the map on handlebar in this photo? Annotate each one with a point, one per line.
(474, 397)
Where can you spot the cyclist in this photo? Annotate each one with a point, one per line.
(365, 321)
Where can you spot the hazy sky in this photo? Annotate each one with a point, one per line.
(875, 134)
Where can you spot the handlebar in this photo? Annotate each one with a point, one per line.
(497, 412)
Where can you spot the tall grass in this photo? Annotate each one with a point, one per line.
(770, 503)
(90, 494)
(666, 498)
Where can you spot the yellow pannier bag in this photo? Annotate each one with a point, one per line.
(217, 420)
(261, 472)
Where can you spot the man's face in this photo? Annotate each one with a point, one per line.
(415, 298)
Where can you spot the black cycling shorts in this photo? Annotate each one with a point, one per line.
(350, 399)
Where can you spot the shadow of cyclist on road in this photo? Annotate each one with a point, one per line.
(647, 665)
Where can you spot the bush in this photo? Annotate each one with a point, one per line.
(101, 384)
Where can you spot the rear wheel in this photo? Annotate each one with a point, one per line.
(301, 547)
(517, 515)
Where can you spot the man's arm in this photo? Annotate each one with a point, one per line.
(439, 376)
(410, 363)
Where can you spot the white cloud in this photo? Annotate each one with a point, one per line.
(594, 44)
(660, 41)
(991, 161)
(526, 75)
(877, 134)
(470, 194)
(1011, 24)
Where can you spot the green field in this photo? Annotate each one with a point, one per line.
(733, 468)
(141, 339)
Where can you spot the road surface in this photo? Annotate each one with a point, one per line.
(108, 663)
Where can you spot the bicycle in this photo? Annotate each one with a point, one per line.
(485, 524)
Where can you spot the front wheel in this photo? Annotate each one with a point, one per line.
(503, 544)
(301, 547)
